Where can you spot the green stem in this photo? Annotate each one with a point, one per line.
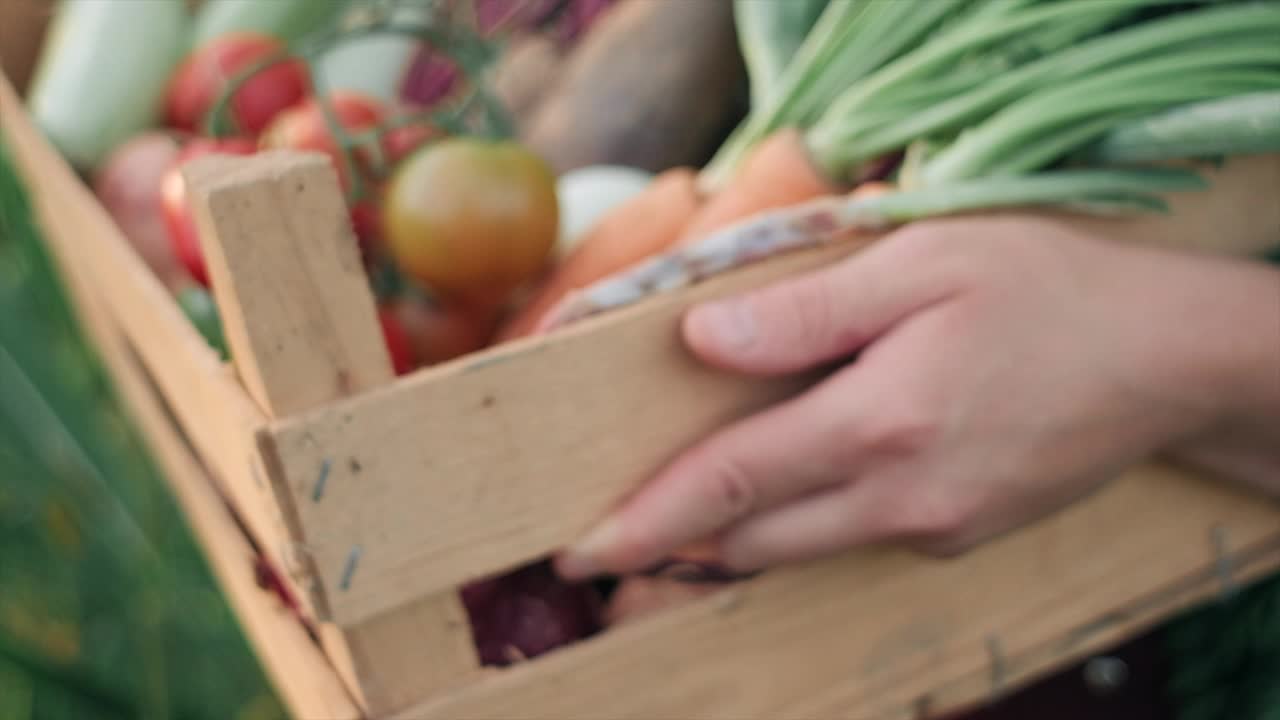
(1135, 187)
(1202, 74)
(1242, 124)
(843, 138)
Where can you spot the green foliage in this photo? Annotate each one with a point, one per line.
(108, 608)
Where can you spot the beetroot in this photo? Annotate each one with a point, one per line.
(529, 612)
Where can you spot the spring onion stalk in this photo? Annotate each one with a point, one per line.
(824, 220)
(850, 132)
(102, 72)
(1243, 124)
(1031, 120)
(769, 33)
(288, 20)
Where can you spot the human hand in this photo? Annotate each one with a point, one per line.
(1005, 367)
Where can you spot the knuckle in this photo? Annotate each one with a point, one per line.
(806, 309)
(934, 517)
(731, 487)
(902, 429)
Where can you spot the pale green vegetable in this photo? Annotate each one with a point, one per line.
(102, 72)
(288, 20)
(769, 33)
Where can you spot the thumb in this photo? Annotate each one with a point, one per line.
(817, 317)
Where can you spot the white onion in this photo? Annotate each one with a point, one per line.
(587, 194)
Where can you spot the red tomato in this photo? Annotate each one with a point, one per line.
(202, 76)
(304, 128)
(471, 219)
(399, 345)
(439, 333)
(173, 198)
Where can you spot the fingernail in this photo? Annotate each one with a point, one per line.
(581, 560)
(728, 323)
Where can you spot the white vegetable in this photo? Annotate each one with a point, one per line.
(587, 194)
(103, 70)
(373, 65)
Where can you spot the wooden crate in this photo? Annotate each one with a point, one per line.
(380, 496)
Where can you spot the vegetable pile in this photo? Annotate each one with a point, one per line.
(488, 206)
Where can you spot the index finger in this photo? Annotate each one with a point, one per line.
(794, 448)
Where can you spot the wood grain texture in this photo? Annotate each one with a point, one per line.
(300, 319)
(286, 271)
(212, 406)
(880, 633)
(484, 463)
(304, 678)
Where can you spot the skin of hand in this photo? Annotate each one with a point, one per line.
(999, 368)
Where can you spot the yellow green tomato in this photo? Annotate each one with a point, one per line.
(472, 219)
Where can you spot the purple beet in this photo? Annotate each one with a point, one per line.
(529, 612)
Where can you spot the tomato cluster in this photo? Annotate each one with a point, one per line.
(468, 220)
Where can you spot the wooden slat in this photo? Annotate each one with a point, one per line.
(881, 634)
(211, 405)
(303, 677)
(301, 323)
(495, 459)
(499, 458)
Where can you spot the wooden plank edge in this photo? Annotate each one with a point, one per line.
(297, 668)
(208, 400)
(917, 628)
(1248, 565)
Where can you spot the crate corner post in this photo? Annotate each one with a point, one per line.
(301, 323)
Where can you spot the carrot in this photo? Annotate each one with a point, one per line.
(642, 227)
(778, 172)
(872, 188)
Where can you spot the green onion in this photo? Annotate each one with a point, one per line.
(1243, 124)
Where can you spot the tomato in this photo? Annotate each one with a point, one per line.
(439, 333)
(304, 128)
(397, 339)
(200, 79)
(127, 184)
(471, 219)
(173, 198)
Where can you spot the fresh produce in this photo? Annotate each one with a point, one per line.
(399, 346)
(587, 194)
(643, 226)
(177, 214)
(102, 72)
(1010, 103)
(769, 33)
(286, 20)
(437, 333)
(199, 307)
(128, 183)
(305, 127)
(472, 219)
(198, 83)
(528, 613)
(778, 172)
(653, 85)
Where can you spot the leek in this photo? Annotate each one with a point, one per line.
(287, 20)
(102, 72)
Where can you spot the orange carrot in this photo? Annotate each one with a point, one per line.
(778, 172)
(642, 227)
(872, 188)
